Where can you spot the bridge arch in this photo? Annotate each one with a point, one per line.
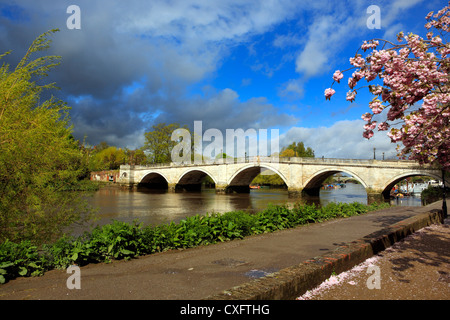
(392, 182)
(154, 180)
(191, 179)
(242, 178)
(314, 183)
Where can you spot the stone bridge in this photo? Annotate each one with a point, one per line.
(302, 176)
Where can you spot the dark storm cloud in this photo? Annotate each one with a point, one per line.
(223, 109)
(129, 65)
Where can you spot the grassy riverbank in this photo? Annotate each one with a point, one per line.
(120, 240)
(433, 194)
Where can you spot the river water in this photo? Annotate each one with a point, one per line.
(153, 208)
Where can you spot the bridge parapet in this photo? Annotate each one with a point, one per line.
(291, 160)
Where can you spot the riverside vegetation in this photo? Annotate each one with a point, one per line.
(120, 240)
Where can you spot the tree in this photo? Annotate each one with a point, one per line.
(101, 146)
(413, 90)
(135, 157)
(224, 156)
(272, 179)
(287, 153)
(159, 144)
(39, 158)
(297, 150)
(110, 158)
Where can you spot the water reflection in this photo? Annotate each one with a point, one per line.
(150, 207)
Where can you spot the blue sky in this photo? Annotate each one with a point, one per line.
(231, 64)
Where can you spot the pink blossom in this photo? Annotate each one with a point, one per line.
(357, 61)
(376, 106)
(351, 96)
(395, 135)
(371, 45)
(352, 83)
(370, 125)
(337, 76)
(377, 90)
(358, 75)
(436, 41)
(368, 134)
(366, 116)
(413, 73)
(328, 93)
(383, 126)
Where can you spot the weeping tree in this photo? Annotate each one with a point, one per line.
(39, 158)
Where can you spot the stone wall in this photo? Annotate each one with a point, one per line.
(107, 175)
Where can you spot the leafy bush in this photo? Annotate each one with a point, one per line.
(118, 240)
(433, 194)
(20, 259)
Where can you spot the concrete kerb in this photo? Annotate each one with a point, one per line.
(294, 281)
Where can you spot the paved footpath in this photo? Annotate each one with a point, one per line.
(202, 272)
(416, 268)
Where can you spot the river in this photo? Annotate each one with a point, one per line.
(150, 207)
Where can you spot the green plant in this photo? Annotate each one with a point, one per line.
(118, 240)
(20, 259)
(39, 158)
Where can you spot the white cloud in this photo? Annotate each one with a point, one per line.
(204, 20)
(326, 36)
(292, 89)
(332, 27)
(342, 140)
(389, 17)
(312, 59)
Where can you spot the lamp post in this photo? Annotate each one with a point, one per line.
(444, 203)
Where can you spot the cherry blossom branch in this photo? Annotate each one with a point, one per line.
(410, 72)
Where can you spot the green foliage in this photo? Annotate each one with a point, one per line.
(268, 180)
(104, 157)
(20, 259)
(159, 144)
(120, 240)
(292, 150)
(107, 159)
(38, 156)
(297, 150)
(433, 194)
(135, 157)
(117, 240)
